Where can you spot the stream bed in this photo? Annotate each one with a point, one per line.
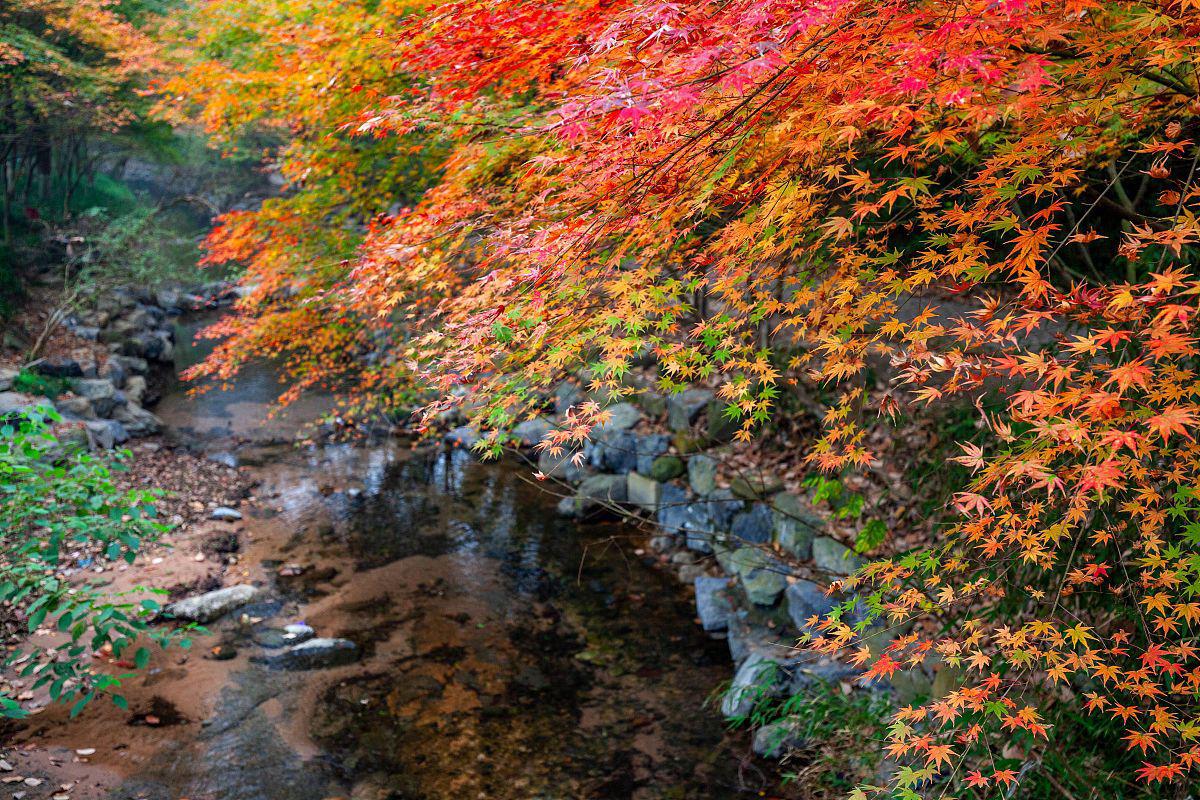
(505, 652)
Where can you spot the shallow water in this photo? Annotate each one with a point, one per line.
(507, 653)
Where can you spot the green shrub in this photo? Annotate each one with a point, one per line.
(33, 383)
(53, 502)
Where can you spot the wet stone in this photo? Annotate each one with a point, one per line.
(223, 652)
(315, 654)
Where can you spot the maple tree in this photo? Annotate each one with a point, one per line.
(69, 70)
(996, 197)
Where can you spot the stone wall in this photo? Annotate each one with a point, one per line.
(109, 393)
(758, 557)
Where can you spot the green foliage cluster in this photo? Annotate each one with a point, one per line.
(57, 504)
(31, 382)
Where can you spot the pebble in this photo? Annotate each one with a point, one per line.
(5, 766)
(225, 514)
(86, 751)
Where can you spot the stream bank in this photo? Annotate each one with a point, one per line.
(500, 650)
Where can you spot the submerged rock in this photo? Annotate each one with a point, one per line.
(212, 605)
(315, 654)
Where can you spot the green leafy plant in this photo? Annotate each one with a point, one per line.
(54, 505)
(31, 382)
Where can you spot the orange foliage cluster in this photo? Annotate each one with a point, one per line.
(997, 196)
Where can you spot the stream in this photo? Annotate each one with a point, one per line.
(506, 652)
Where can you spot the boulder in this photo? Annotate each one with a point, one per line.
(755, 487)
(532, 431)
(105, 434)
(795, 524)
(86, 360)
(713, 606)
(701, 525)
(672, 508)
(806, 599)
(275, 638)
(598, 491)
(614, 451)
(566, 507)
(114, 373)
(212, 605)
(702, 474)
(59, 367)
(721, 428)
(762, 577)
(566, 394)
(99, 392)
(135, 389)
(224, 458)
(622, 417)
(75, 407)
(642, 491)
(834, 558)
(665, 468)
(137, 420)
(685, 408)
(652, 403)
(315, 654)
(650, 447)
(753, 526)
(760, 677)
(777, 739)
(132, 365)
(7, 376)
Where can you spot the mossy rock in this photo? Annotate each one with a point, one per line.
(667, 468)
